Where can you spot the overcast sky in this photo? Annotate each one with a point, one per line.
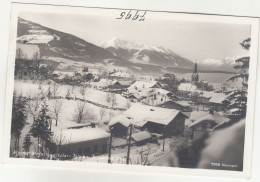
(196, 41)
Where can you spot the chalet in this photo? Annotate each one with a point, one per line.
(122, 76)
(183, 106)
(119, 126)
(204, 96)
(203, 122)
(102, 84)
(140, 85)
(84, 141)
(186, 89)
(156, 120)
(218, 102)
(134, 97)
(118, 86)
(156, 96)
(63, 74)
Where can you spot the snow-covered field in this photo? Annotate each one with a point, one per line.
(27, 88)
(66, 116)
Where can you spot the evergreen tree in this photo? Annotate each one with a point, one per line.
(27, 143)
(238, 98)
(41, 127)
(19, 116)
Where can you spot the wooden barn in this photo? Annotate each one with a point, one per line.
(84, 141)
(218, 102)
(156, 120)
(203, 122)
(119, 126)
(179, 105)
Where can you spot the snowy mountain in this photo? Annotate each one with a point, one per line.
(68, 52)
(145, 54)
(53, 43)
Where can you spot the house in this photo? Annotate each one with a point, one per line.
(118, 86)
(82, 141)
(141, 137)
(102, 84)
(218, 102)
(139, 85)
(156, 96)
(122, 76)
(63, 74)
(203, 122)
(186, 89)
(156, 120)
(183, 106)
(119, 126)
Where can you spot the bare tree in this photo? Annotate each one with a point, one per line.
(55, 90)
(57, 108)
(59, 140)
(108, 97)
(83, 114)
(78, 115)
(144, 155)
(102, 113)
(83, 90)
(110, 115)
(113, 100)
(34, 102)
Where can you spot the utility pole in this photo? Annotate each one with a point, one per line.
(110, 145)
(163, 138)
(129, 144)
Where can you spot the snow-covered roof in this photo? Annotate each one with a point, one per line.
(140, 114)
(188, 87)
(125, 82)
(218, 118)
(197, 114)
(218, 98)
(142, 84)
(122, 119)
(161, 91)
(120, 74)
(80, 135)
(62, 74)
(140, 136)
(183, 103)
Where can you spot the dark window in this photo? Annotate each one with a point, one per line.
(80, 151)
(87, 151)
(104, 148)
(95, 148)
(68, 151)
(25, 73)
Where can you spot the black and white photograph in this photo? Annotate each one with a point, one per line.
(131, 87)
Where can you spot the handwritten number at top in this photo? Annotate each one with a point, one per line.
(138, 16)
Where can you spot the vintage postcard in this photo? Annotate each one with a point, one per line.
(130, 90)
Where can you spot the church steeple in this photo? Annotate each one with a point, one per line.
(195, 75)
(195, 71)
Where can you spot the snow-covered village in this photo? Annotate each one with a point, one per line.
(122, 102)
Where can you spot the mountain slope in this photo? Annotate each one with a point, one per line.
(53, 43)
(145, 54)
